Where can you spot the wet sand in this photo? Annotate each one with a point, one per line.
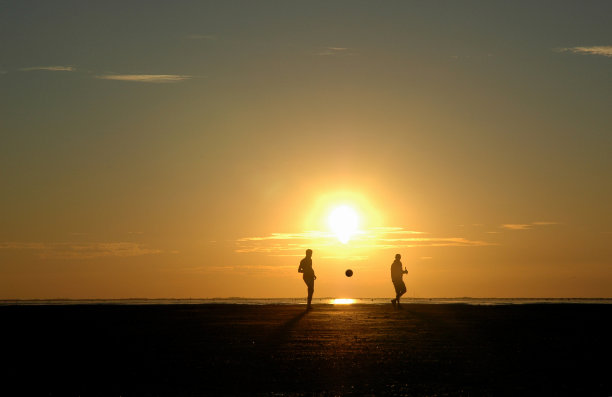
(418, 350)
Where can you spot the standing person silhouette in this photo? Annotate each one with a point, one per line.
(396, 276)
(309, 276)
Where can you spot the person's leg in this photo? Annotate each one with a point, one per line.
(310, 283)
(310, 292)
(396, 300)
(400, 291)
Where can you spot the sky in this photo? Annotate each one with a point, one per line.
(196, 149)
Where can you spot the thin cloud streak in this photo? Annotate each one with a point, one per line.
(395, 230)
(145, 78)
(335, 51)
(288, 244)
(81, 250)
(50, 68)
(526, 226)
(516, 226)
(602, 50)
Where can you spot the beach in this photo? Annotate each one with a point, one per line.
(223, 349)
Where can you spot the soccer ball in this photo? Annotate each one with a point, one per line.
(348, 272)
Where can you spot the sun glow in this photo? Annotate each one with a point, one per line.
(342, 301)
(343, 221)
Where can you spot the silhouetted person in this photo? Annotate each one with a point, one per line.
(309, 276)
(396, 276)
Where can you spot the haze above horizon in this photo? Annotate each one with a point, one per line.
(198, 148)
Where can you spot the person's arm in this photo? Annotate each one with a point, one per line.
(405, 271)
(300, 268)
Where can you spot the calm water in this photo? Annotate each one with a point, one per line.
(294, 301)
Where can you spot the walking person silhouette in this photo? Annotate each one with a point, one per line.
(308, 275)
(396, 276)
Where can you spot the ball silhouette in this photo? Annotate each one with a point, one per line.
(348, 272)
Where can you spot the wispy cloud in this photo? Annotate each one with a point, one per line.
(335, 51)
(80, 250)
(516, 226)
(602, 50)
(145, 78)
(526, 226)
(291, 244)
(394, 230)
(50, 68)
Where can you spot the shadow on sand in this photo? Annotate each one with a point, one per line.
(282, 334)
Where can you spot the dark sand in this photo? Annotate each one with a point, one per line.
(174, 350)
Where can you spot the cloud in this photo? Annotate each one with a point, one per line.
(602, 50)
(145, 78)
(293, 244)
(526, 226)
(434, 242)
(50, 68)
(335, 51)
(395, 230)
(81, 250)
(514, 226)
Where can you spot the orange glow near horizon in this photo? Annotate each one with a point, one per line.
(206, 166)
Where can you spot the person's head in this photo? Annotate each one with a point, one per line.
(309, 252)
(398, 256)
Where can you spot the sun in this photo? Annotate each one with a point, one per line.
(343, 221)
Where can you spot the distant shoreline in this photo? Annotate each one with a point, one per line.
(298, 301)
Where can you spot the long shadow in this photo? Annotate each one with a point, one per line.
(281, 334)
(268, 366)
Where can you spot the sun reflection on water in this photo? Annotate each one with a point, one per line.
(342, 301)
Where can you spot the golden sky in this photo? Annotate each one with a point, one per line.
(196, 149)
